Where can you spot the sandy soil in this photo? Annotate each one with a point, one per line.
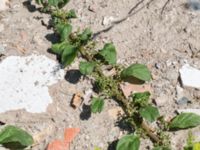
(165, 40)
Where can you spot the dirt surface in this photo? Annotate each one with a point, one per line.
(164, 38)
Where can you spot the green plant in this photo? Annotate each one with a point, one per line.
(15, 138)
(139, 111)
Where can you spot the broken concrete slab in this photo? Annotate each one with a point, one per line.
(190, 76)
(25, 80)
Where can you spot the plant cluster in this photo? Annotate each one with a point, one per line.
(139, 111)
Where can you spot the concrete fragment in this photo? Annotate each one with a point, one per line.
(25, 80)
(195, 111)
(190, 76)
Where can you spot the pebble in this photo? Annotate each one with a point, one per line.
(183, 101)
(194, 4)
(161, 100)
(92, 8)
(179, 92)
(190, 76)
(107, 20)
(1, 27)
(2, 49)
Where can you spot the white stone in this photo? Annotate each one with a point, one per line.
(190, 76)
(24, 82)
(107, 20)
(1, 27)
(4, 5)
(195, 111)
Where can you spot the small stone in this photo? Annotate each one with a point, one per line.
(190, 76)
(1, 27)
(76, 100)
(4, 5)
(2, 49)
(194, 4)
(87, 96)
(161, 100)
(107, 20)
(115, 112)
(92, 8)
(179, 92)
(183, 101)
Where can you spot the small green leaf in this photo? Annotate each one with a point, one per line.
(97, 148)
(86, 35)
(138, 71)
(141, 98)
(64, 30)
(58, 48)
(58, 3)
(54, 2)
(97, 105)
(15, 138)
(161, 148)
(71, 14)
(87, 67)
(196, 146)
(185, 120)
(109, 53)
(68, 55)
(39, 2)
(128, 142)
(149, 113)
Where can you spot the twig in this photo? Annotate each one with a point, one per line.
(130, 14)
(165, 5)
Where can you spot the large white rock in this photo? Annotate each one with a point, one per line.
(24, 82)
(4, 5)
(190, 76)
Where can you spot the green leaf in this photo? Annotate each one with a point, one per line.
(97, 148)
(149, 113)
(58, 3)
(138, 71)
(196, 146)
(128, 142)
(86, 35)
(64, 30)
(71, 14)
(15, 138)
(161, 148)
(68, 55)
(185, 120)
(109, 53)
(87, 67)
(54, 2)
(58, 48)
(39, 2)
(141, 98)
(97, 105)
